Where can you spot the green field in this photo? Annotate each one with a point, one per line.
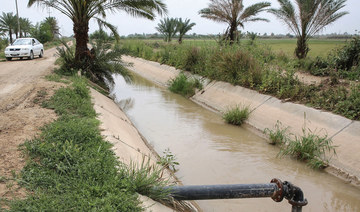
(318, 47)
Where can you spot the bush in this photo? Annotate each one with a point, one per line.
(279, 135)
(184, 86)
(309, 147)
(236, 115)
(237, 67)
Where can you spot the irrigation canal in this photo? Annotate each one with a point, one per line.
(212, 152)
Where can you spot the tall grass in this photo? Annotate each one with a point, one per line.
(309, 147)
(236, 115)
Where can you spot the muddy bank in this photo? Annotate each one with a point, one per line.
(267, 110)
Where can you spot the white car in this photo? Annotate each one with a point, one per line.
(24, 47)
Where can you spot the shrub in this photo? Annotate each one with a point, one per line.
(309, 147)
(168, 160)
(184, 86)
(236, 115)
(237, 67)
(279, 135)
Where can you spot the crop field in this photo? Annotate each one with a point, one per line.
(318, 47)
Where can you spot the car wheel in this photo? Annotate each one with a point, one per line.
(31, 55)
(8, 58)
(41, 54)
(20, 58)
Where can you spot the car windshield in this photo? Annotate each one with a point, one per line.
(22, 42)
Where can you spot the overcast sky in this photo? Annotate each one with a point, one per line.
(183, 9)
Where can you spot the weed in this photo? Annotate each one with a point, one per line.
(279, 135)
(146, 177)
(236, 115)
(168, 160)
(309, 147)
(184, 86)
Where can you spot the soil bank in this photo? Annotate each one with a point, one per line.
(267, 110)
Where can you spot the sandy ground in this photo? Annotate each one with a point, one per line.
(22, 89)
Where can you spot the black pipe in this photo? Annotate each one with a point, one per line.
(236, 191)
(276, 189)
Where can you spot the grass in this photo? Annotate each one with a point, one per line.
(70, 167)
(309, 147)
(236, 115)
(279, 135)
(184, 86)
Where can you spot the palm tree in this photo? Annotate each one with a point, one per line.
(167, 27)
(8, 24)
(81, 12)
(312, 16)
(25, 26)
(183, 28)
(233, 13)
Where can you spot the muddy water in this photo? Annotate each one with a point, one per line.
(212, 152)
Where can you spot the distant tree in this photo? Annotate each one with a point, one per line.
(167, 27)
(233, 13)
(42, 32)
(8, 24)
(54, 27)
(183, 27)
(311, 17)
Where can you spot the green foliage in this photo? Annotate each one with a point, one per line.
(279, 135)
(236, 115)
(309, 147)
(184, 86)
(343, 61)
(168, 160)
(340, 100)
(42, 32)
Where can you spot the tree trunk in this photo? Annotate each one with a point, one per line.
(180, 39)
(82, 52)
(10, 35)
(302, 47)
(232, 33)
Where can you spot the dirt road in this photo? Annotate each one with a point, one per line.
(22, 89)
